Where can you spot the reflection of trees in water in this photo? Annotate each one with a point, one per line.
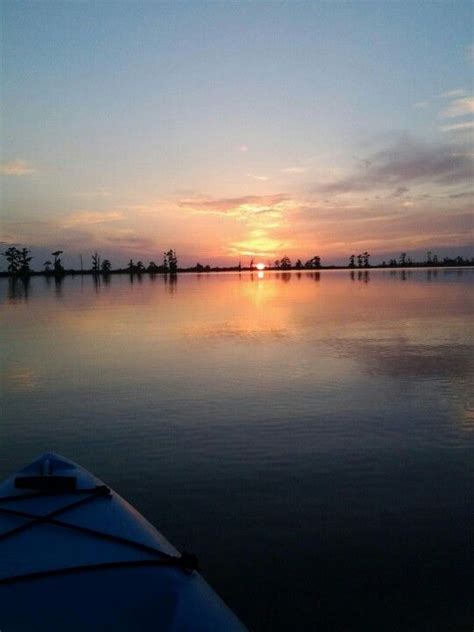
(283, 276)
(99, 279)
(58, 285)
(18, 288)
(362, 275)
(171, 282)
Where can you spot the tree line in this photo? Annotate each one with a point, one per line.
(19, 264)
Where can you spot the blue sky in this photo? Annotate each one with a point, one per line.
(236, 129)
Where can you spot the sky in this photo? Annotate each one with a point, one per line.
(237, 130)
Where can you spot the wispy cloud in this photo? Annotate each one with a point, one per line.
(294, 170)
(128, 240)
(459, 107)
(453, 94)
(242, 207)
(16, 168)
(407, 161)
(99, 192)
(261, 178)
(458, 127)
(400, 191)
(88, 218)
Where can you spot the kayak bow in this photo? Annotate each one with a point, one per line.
(74, 553)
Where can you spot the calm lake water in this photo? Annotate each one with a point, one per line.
(309, 436)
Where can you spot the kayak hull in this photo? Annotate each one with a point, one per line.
(91, 561)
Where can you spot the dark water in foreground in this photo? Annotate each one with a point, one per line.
(310, 437)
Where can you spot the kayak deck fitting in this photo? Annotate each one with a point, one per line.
(73, 552)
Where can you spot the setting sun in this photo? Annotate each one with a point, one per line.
(260, 266)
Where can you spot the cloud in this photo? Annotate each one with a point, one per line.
(459, 107)
(451, 94)
(242, 207)
(294, 170)
(458, 127)
(99, 192)
(259, 244)
(16, 168)
(88, 218)
(131, 239)
(262, 178)
(462, 195)
(407, 161)
(400, 191)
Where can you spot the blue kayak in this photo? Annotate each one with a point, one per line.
(74, 555)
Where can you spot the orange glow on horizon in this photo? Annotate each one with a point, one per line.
(260, 266)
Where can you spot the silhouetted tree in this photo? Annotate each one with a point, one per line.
(352, 261)
(251, 264)
(314, 262)
(403, 258)
(359, 261)
(298, 264)
(25, 262)
(277, 263)
(131, 268)
(106, 266)
(435, 260)
(13, 256)
(95, 263)
(428, 257)
(171, 261)
(140, 267)
(393, 263)
(58, 267)
(152, 268)
(366, 259)
(47, 266)
(285, 263)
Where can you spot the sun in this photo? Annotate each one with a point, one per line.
(260, 266)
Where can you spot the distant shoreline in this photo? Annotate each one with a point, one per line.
(207, 270)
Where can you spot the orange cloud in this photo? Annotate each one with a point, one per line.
(16, 168)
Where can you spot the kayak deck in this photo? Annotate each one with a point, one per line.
(73, 552)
